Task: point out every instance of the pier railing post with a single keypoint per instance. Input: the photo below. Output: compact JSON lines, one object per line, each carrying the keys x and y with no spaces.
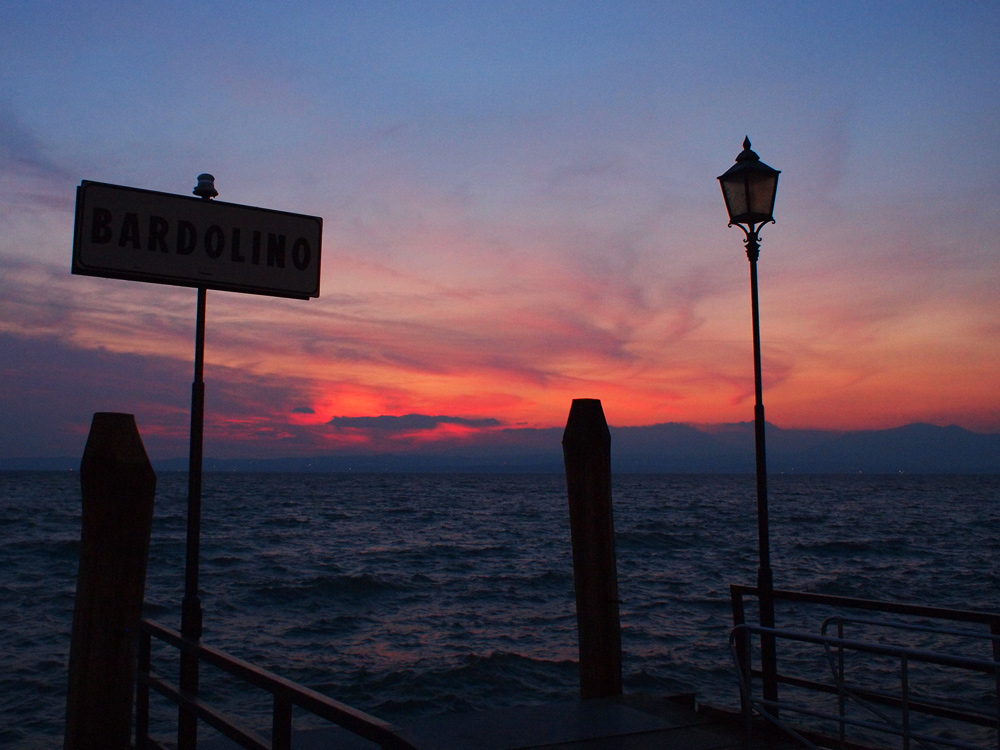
{"x":118,"y":485}
{"x":587,"y":454}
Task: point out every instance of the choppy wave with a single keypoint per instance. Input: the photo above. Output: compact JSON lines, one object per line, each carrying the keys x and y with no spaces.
{"x":362,"y":586}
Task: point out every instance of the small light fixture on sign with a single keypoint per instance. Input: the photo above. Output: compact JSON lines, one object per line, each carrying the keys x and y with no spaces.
{"x":206,"y":187}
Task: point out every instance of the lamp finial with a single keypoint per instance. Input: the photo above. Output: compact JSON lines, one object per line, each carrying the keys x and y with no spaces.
{"x":747,"y":154}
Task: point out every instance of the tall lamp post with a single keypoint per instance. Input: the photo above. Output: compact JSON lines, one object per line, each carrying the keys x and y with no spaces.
{"x":749,"y":188}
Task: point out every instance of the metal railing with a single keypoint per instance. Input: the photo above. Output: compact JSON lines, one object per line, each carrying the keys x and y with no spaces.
{"x":740,"y":638}
{"x":286,"y":695}
{"x":940,"y":707}
{"x":905,"y":703}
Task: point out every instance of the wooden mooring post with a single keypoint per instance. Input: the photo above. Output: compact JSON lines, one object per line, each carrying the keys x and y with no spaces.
{"x":118,"y":485}
{"x":587,"y":454}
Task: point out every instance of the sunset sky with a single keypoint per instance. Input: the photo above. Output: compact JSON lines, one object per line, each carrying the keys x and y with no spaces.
{"x":520,"y":208}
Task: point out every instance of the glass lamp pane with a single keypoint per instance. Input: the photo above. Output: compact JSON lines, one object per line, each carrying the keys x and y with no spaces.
{"x":762,"y":187}
{"x":735,"y":193}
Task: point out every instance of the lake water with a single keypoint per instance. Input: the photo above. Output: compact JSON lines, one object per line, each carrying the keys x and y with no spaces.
{"x":412,"y":595}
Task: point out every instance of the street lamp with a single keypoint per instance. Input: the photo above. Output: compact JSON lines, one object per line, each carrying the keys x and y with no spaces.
{"x":749,"y":188}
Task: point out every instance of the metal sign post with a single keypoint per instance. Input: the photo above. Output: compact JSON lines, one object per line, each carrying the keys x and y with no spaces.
{"x":191,"y":612}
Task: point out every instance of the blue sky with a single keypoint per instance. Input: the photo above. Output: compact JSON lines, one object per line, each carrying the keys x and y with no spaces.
{"x":520,"y":208}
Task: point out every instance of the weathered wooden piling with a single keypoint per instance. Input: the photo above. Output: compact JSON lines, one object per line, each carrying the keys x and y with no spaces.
{"x":587,"y":454}
{"x":118,"y":485}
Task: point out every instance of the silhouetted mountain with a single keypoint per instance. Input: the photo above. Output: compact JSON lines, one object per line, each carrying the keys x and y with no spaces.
{"x":913,"y":449}
{"x":655,"y":449}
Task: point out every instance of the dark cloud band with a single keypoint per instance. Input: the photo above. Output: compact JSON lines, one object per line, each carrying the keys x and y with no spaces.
{"x":408,"y":422}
